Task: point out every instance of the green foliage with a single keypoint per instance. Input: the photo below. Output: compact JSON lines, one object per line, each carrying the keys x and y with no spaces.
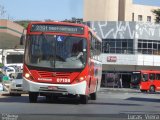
{"x":1,"y":65}
{"x":23,"y":23}
{"x":157,"y":14}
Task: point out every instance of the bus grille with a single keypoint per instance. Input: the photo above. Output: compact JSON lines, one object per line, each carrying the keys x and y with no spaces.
{"x":54,"y":74}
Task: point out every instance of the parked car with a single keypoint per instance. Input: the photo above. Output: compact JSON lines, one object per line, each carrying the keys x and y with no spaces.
{"x":16,"y":81}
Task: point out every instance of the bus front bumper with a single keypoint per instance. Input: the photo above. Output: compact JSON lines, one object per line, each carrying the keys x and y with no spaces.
{"x":79,"y":88}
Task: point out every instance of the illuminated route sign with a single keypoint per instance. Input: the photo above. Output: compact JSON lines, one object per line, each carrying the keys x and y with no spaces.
{"x":57,"y":28}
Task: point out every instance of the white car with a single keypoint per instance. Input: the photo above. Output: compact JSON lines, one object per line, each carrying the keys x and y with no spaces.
{"x":16,"y":81}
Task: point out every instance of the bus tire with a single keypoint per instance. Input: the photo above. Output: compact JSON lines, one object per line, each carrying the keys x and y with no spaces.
{"x":33,"y":97}
{"x":152,"y":89}
{"x":93,"y":96}
{"x":83,"y":99}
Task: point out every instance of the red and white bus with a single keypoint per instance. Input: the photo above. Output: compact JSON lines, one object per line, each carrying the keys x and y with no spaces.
{"x":149,"y":80}
{"x":61,"y":59}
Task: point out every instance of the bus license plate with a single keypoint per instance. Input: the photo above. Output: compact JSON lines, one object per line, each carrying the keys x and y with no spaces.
{"x":52,"y":88}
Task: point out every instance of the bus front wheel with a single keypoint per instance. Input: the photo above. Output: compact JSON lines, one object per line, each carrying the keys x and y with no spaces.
{"x":152,"y":89}
{"x":84,"y":99}
{"x":93,"y":96}
{"x":33,"y":97}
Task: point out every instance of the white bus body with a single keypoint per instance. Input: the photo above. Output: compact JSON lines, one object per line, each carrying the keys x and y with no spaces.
{"x":12,"y":57}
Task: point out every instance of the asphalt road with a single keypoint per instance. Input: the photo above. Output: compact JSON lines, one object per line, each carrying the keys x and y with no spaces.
{"x":110,"y":104}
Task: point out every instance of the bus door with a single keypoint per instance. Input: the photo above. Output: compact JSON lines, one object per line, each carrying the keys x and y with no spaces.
{"x":135,"y":79}
{"x":151,"y":79}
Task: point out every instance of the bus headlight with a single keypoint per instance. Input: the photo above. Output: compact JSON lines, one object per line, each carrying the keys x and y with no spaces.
{"x":27,"y":75}
{"x":80,"y":79}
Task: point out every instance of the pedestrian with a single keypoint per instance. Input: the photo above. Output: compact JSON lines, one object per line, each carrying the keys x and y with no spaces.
{"x":120,"y":83}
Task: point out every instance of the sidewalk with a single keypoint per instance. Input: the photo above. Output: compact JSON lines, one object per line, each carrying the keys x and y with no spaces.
{"x":119,"y":90}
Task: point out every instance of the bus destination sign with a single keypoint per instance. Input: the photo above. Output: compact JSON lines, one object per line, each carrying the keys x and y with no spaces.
{"x":57,"y":28}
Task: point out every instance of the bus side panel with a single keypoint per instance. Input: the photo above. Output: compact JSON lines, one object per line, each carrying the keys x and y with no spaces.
{"x":157,"y":85}
{"x":96,"y":73}
{"x":92,"y":79}
{"x":145,"y":85}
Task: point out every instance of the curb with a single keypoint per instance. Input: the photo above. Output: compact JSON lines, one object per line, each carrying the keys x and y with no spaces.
{"x":118,"y":90}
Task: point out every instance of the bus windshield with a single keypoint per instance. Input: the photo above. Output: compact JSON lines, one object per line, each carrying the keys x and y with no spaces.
{"x":136,"y":78}
{"x":56,"y":51}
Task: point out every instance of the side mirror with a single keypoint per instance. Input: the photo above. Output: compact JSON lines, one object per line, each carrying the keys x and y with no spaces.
{"x":22,"y":39}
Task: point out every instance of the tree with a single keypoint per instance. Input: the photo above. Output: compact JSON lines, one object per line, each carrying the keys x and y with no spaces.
{"x":23,"y":23}
{"x":157,"y":14}
{"x":1,"y":65}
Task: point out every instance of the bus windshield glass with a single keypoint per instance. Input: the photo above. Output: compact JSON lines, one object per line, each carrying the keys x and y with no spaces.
{"x":56,"y":51}
{"x":136,"y":77}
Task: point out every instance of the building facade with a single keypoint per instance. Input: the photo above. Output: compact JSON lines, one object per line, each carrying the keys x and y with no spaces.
{"x":131,"y":40}
{"x":10,"y":34}
{"x":117,"y":10}
{"x":127,"y":47}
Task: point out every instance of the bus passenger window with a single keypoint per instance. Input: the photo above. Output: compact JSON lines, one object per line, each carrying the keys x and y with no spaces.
{"x":157,"y":76}
{"x":152,"y":76}
{"x":145,"y":77}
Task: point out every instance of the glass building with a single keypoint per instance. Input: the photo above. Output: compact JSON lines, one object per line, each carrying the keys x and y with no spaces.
{"x":127,"y":47}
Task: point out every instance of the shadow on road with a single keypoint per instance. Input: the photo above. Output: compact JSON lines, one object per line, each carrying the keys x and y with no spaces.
{"x":143,"y":99}
{"x":72,"y":101}
{"x":25,"y":99}
{"x":116,"y":104}
{"x":63,"y":100}
{"x":13,"y":99}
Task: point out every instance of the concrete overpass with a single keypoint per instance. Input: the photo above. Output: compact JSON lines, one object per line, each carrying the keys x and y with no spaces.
{"x":10,"y":34}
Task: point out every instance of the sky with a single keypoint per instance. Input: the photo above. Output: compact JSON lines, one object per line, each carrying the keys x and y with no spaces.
{"x":148,"y":2}
{"x":43,"y":9}
{"x":50,"y":9}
